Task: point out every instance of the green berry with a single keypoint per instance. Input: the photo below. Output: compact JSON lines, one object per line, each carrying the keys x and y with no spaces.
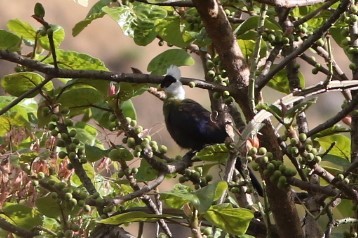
{"x":62,"y":154}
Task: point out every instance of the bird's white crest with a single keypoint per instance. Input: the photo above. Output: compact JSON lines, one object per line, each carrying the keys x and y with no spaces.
{"x":174,"y":71}
{"x":175,"y":90}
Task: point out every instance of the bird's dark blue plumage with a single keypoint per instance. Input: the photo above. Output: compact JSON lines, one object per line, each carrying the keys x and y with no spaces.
{"x":190,"y":124}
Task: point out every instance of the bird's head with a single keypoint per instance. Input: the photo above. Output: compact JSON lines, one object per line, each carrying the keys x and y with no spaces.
{"x":171,"y":84}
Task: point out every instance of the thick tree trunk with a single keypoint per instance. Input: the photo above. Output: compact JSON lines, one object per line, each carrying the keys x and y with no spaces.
{"x":220,"y":32}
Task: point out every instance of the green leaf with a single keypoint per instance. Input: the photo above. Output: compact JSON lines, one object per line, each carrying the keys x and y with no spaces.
{"x":86,"y":133}
{"x":94,"y":13}
{"x":179,"y":196}
{"x":93,"y":153}
{"x":170,"y":31}
{"x":280,"y":82}
{"x":89,"y":171}
{"x":135,"y":216}
{"x":58,"y":37}
{"x":22,"y":29}
{"x":335,"y":164}
{"x":75,"y":60}
{"x":128,"y":109}
{"x":209,"y":194}
{"x":252,"y":24}
{"x":9,"y":41}
{"x":341,"y":148}
{"x":17,"y":116}
{"x":145,"y":172}
{"x":130,"y":90}
{"x":216,"y":152}
{"x":49,"y":206}
{"x":80,"y":26}
{"x":21,"y":215}
{"x":39,"y":10}
{"x":80,"y":95}
{"x":159,"y":64}
{"x":232,"y":220}
{"x":137,"y":20}
{"x":18,"y":83}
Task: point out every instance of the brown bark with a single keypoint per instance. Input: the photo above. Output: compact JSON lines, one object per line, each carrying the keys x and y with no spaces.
{"x":220,"y":32}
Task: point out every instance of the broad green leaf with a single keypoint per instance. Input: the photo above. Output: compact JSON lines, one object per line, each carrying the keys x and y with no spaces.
{"x":129,"y":110}
{"x":80,"y":95}
{"x":179,"y":196}
{"x":137,"y":20}
{"x":94,"y":13}
{"x":341,"y":148}
{"x":334,"y":164}
{"x":159,"y":64}
{"x":145,"y":172}
{"x":17,"y":116}
{"x":89,"y":171}
{"x":170,"y":31}
{"x":22,"y":29}
{"x":217,"y":153}
{"x":252,"y":24}
{"x":84,"y":23}
{"x":75,"y":60}
{"x":58,"y":37}
{"x":124,"y":16}
{"x":86,"y":133}
{"x":18,"y":83}
{"x":336,"y":129}
{"x":232,"y":220}
{"x":93,"y":153}
{"x":135,"y":216}
{"x":130,"y":90}
{"x":9,"y":41}
{"x":120,"y":154}
{"x":280,"y":82}
{"x":21,"y":215}
{"x":49,"y":206}
{"x":210,"y":194}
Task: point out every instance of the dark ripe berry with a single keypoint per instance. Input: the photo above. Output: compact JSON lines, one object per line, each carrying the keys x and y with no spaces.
{"x":68,"y":122}
{"x":54,"y":118}
{"x":54,"y":132}
{"x":51,"y":126}
{"x":60,"y":143}
{"x":72,"y":155}
{"x":62,"y":154}
{"x":72,"y":133}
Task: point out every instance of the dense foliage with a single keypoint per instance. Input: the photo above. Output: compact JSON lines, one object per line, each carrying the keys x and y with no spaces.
{"x":60,"y":177}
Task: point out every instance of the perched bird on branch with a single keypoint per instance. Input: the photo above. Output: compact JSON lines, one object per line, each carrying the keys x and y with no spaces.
{"x":191,"y":125}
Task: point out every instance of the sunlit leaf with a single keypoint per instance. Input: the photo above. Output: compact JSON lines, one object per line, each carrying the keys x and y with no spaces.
{"x":217,"y":153}
{"x":145,"y":172}
{"x":232,"y":220}
{"x":9,"y":41}
{"x":159,"y":64}
{"x":135,"y":216}
{"x":18,"y":83}
{"x":21,"y":215}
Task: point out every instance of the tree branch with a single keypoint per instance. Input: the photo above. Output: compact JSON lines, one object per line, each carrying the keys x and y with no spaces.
{"x":7,"y":226}
{"x":263,"y":80}
{"x":98,"y":74}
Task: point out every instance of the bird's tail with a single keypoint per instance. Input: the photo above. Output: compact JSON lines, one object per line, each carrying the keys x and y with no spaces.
{"x":255,"y":182}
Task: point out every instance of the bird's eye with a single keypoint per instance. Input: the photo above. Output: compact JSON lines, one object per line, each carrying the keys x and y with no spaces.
{"x":167,"y":81}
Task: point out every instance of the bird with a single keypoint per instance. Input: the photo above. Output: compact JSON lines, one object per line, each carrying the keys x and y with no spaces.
{"x":190,"y":124}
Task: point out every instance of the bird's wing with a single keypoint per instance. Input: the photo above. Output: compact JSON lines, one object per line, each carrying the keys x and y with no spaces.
{"x":193,"y":121}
